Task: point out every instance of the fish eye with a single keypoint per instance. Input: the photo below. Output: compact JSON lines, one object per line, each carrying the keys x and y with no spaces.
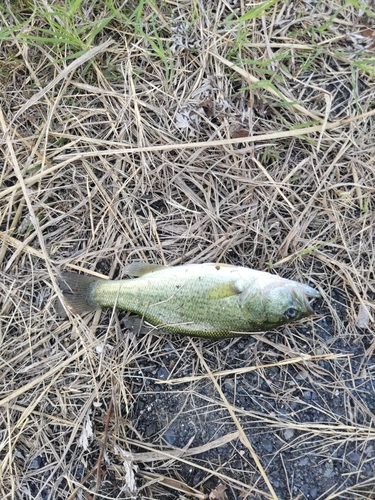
{"x":290,"y":313}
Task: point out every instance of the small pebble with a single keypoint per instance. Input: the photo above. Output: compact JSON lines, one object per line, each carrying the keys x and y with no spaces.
{"x":314,"y":493}
{"x":229,"y":385}
{"x":37,"y":463}
{"x":170,"y":436}
{"x":329,"y":469}
{"x":267,"y":445}
{"x":369,"y":451}
{"x":288,"y":434}
{"x":163,"y":373}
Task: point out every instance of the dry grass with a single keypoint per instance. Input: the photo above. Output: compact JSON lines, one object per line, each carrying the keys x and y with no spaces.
{"x":187,"y":133}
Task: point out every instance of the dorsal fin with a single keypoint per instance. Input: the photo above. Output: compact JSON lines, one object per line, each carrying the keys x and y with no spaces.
{"x":142,"y":268}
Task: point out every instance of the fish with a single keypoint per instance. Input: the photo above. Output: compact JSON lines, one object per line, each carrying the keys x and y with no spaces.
{"x":206,"y":300}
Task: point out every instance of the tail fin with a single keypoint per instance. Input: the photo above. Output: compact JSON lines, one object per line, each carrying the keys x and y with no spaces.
{"x":77,"y":291}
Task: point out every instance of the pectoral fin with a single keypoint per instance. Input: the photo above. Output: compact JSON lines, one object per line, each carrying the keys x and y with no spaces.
{"x":228,"y":289}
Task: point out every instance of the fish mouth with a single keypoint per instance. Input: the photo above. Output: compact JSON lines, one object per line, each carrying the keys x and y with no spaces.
{"x":311,"y":292}
{"x":301,"y":295}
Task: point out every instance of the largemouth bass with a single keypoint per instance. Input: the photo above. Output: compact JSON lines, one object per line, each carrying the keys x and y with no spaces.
{"x":207,"y":300}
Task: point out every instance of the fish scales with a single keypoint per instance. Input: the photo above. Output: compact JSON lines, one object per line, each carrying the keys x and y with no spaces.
{"x":184,"y":300}
{"x":210,"y":300}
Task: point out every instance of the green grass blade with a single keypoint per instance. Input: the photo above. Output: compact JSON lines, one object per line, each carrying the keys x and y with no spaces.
{"x":257,"y":11}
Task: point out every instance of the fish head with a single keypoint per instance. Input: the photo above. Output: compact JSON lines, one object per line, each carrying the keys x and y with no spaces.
{"x":279,"y":301}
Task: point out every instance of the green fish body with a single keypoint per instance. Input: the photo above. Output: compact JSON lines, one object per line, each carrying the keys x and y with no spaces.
{"x":207,"y":300}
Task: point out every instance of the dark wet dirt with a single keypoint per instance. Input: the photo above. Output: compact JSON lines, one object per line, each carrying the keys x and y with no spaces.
{"x":305,"y":421}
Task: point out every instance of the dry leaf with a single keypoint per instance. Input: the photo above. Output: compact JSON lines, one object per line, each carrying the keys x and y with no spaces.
{"x":363,"y":317}
{"x":87,"y":433}
{"x":240,"y":133}
{"x":218,"y":493}
{"x":130,"y":468}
